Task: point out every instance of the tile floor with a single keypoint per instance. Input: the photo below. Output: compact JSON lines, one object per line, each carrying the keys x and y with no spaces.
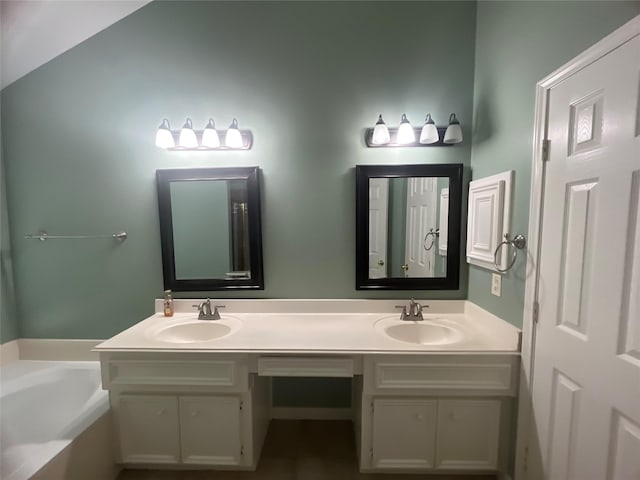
{"x":298,"y":450}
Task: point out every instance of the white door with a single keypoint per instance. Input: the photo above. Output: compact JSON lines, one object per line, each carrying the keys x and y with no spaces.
{"x":443,"y":223}
{"x":210,"y":430}
{"x":586,"y":371}
{"x":378,"y":217}
{"x":421,"y":217}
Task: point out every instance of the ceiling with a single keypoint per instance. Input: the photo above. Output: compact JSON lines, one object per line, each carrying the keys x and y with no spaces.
{"x":36,"y":31}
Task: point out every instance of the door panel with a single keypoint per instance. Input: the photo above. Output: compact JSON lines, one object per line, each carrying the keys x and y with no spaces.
{"x":629,"y":344}
{"x":421,"y":216}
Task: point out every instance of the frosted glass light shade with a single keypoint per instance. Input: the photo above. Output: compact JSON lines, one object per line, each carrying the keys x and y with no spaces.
{"x":210,"y":138}
{"x":380,"y":133}
{"x":187,"y":137}
{"x":164,"y":137}
{"x":454,"y":131}
{"x":429,"y":132}
{"x":406,"y":135}
{"x":233,"y":138}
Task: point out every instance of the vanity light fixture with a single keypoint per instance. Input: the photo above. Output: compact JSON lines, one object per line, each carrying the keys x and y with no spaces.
{"x":187,"y":137}
{"x":203,"y":140}
{"x":429,"y":132}
{"x":233,"y":139}
{"x":380,"y":133}
{"x":454,"y":132}
{"x":406,"y":135}
{"x":210,"y":137}
{"x":429,"y":135}
{"x":164,"y":137}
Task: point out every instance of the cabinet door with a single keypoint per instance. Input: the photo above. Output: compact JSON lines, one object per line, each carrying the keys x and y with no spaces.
{"x":148,"y":428}
{"x":404,"y":432}
{"x":210,"y":430}
{"x":468,"y":432}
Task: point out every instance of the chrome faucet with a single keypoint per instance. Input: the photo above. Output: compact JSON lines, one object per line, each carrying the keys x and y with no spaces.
{"x":414,"y":313}
{"x":204,"y":310}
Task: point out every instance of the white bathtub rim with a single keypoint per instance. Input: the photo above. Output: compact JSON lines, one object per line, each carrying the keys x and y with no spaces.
{"x":55,"y":349}
{"x":95,"y":406}
{"x":9,"y":352}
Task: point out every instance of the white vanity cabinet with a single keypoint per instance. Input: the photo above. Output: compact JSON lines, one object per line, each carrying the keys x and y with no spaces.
{"x":186,"y":409}
{"x":440,"y":413}
{"x":211,"y":430}
{"x":148,"y":428}
{"x":403,"y":433}
{"x":468,"y":434}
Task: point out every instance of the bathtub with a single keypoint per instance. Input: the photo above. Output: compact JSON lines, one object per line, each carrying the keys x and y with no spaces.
{"x":45,"y":407}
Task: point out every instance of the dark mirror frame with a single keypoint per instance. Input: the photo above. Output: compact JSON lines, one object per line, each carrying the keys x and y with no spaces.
{"x":251,"y":175}
{"x":363,"y":173}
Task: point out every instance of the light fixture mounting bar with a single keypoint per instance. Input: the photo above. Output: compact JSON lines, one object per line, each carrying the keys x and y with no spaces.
{"x":393,"y":133}
{"x":247,"y":142}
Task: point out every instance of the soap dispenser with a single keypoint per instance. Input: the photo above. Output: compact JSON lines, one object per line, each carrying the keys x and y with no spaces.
{"x":168,"y":304}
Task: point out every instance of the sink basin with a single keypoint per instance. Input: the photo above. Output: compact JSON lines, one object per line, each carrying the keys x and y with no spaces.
{"x":423,"y":332}
{"x":195,"y":331}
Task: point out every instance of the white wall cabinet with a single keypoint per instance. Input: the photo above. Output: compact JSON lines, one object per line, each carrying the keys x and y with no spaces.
{"x":488,"y":219}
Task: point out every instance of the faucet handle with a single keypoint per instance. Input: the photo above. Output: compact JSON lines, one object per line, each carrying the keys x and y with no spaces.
{"x":216,"y":313}
{"x":403,"y":314}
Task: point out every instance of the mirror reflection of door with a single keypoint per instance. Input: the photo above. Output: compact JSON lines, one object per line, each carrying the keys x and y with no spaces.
{"x":421,"y":217}
{"x":378,"y":215}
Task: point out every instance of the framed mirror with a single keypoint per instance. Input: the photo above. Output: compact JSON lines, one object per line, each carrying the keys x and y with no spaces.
{"x":408,"y":226}
{"x":210,"y":228}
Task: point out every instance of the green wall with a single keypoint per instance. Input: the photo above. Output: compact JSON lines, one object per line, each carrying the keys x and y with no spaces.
{"x":518,"y":44}
{"x":8,"y":318}
{"x":306,"y":77}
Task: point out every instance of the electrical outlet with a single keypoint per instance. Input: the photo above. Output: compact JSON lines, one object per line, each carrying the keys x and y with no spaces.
{"x":496,"y":284}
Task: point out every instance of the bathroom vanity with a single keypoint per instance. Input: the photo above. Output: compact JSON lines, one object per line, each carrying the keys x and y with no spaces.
{"x":428,"y":396}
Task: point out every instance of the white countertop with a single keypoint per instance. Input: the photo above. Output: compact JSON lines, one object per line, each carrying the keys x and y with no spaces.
{"x":320,"y":327}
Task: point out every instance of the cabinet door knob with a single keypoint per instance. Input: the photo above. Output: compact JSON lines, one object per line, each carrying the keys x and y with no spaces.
{"x":405,"y":267}
{"x":160,"y":412}
{"x":381,"y":262}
